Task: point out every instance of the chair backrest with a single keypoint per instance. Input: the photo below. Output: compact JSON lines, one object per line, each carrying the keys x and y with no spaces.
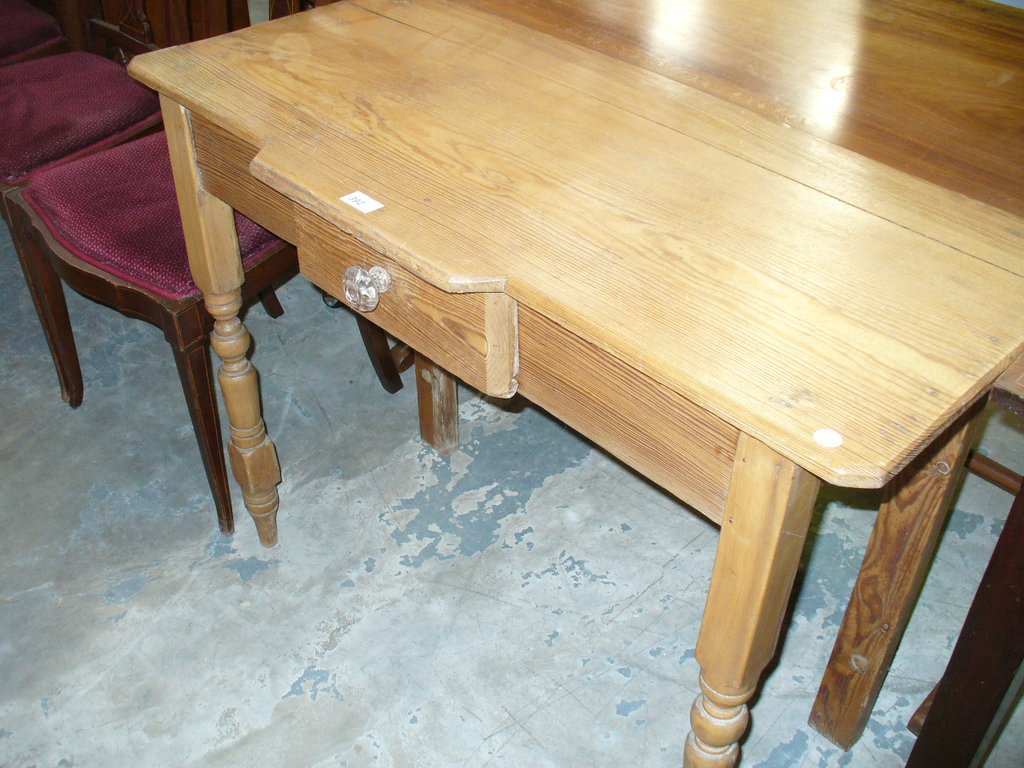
{"x":123,"y":28}
{"x":72,"y":16}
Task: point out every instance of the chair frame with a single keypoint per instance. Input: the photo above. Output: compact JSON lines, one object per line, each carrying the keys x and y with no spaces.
{"x":983,"y":679}
{"x":185,"y":323}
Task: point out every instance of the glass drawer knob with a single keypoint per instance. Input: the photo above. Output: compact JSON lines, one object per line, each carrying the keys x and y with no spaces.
{"x":363,"y":287}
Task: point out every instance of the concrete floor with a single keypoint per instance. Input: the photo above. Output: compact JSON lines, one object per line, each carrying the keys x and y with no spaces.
{"x":526,"y":602}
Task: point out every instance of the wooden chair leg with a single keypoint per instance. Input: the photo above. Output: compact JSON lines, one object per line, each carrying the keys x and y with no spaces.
{"x":47,"y":293}
{"x":381,"y":357}
{"x":196,"y":374}
{"x":984,"y":673}
{"x":271,"y":303}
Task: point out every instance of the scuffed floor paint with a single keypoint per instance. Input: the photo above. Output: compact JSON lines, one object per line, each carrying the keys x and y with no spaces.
{"x":525,"y":602}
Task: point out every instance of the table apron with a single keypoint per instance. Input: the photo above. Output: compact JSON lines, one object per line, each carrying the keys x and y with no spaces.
{"x":656,"y":431}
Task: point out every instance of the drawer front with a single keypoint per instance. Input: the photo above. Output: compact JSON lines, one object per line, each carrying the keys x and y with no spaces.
{"x":471,"y":335}
{"x":474,"y":336}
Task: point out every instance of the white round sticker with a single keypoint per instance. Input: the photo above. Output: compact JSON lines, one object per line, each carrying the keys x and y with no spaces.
{"x":828,"y":438}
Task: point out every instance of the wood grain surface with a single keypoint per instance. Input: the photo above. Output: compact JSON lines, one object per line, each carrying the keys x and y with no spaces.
{"x":932,"y":87}
{"x":779,"y":281}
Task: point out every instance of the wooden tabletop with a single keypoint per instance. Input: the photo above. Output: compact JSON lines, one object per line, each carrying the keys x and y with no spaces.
{"x":836,"y":308}
{"x":932,"y":87}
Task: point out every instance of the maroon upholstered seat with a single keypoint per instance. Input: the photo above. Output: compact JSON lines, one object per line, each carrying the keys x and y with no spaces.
{"x":25,"y":31}
{"x":117,"y":211}
{"x":61,"y":107}
{"x":109,"y":226}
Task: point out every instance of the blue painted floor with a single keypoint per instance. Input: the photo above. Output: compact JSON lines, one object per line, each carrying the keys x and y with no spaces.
{"x":526,"y":602}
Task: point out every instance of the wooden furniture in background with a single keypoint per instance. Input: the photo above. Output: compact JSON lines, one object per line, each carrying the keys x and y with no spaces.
{"x":958,"y":722}
{"x":73,"y":17}
{"x":173,"y":22}
{"x":734,"y":308}
{"x":56,"y":26}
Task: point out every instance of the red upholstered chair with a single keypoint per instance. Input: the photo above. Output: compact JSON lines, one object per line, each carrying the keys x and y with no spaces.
{"x":27,"y":33}
{"x":108,"y":225}
{"x":62,"y":107}
{"x":56,"y":109}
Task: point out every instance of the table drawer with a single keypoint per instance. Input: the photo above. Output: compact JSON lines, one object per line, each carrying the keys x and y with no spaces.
{"x":474,"y":336}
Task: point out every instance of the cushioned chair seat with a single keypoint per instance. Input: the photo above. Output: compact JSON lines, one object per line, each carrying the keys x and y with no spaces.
{"x":61,"y":107}
{"x":117,"y":211}
{"x":24,"y":29}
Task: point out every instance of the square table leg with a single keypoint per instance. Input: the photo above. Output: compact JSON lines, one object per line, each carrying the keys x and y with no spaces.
{"x":216,"y":265}
{"x":763,"y":532}
{"x":437,"y":393}
{"x":914,"y":509}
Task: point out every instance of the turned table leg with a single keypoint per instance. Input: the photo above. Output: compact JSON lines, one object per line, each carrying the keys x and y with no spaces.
{"x":763,"y":530}
{"x":914,"y":509}
{"x":216,"y":266}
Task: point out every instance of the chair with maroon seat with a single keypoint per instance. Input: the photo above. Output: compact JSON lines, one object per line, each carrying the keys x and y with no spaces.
{"x":108,"y":225}
{"x":62,"y":107}
{"x":28,"y":33}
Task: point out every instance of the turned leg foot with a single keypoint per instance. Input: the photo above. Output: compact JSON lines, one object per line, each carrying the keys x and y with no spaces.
{"x":717,"y":723}
{"x":253,"y":456}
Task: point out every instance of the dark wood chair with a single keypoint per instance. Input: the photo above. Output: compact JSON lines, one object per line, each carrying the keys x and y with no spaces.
{"x":106,"y":222}
{"x":27,"y":32}
{"x":66,"y":106}
{"x":983,"y":677}
{"x":108,"y":225}
{"x":957,"y":723}
{"x":161,"y":23}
